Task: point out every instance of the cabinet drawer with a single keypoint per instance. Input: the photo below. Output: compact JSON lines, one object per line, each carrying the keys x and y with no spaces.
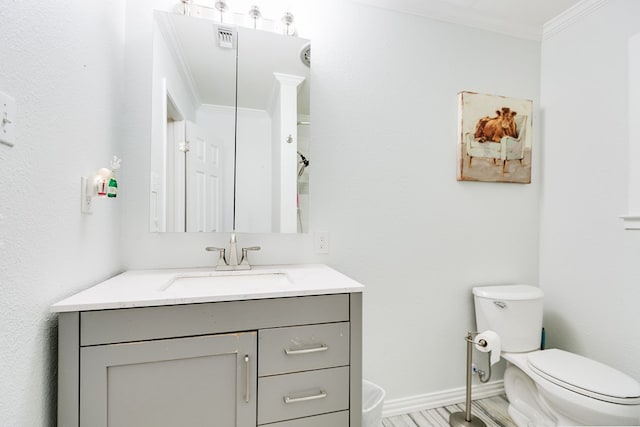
{"x":302,"y":348}
{"x":289,"y":396}
{"x":335,"y":419}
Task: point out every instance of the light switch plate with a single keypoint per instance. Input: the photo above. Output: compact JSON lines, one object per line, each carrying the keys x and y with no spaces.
{"x":7,"y":120}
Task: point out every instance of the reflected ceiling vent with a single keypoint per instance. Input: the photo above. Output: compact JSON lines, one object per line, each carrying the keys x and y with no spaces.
{"x":305,"y":54}
{"x":225,"y":37}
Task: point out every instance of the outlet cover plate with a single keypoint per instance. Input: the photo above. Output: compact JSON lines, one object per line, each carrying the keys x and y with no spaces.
{"x":322,"y":242}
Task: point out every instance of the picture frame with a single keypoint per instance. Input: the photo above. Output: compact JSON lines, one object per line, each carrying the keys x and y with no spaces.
{"x":494,"y":138}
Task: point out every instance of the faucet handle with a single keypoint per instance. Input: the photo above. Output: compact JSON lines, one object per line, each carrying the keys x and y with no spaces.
{"x":222,"y":260}
{"x":245,"y":258}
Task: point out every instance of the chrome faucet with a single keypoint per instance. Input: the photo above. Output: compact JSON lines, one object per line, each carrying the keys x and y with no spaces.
{"x":231,"y":263}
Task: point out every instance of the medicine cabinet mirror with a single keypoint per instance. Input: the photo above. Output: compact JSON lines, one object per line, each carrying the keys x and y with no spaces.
{"x":230,"y":128}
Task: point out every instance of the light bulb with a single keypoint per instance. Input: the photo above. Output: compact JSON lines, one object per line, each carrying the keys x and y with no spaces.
{"x":255,"y":14}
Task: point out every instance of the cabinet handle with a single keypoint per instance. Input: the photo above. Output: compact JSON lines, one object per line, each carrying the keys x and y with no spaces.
{"x":246,"y":378}
{"x":321,"y":395}
{"x":291,"y":351}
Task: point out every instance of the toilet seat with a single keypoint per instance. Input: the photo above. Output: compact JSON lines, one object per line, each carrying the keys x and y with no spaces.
{"x":585,"y":376}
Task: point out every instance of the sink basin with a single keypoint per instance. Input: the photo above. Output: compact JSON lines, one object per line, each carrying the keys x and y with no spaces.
{"x":232,"y":282}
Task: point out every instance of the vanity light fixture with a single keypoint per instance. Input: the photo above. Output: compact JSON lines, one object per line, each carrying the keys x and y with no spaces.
{"x":223,"y":13}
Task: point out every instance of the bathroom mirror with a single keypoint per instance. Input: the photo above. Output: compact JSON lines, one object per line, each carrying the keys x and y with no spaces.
{"x":230,"y":128}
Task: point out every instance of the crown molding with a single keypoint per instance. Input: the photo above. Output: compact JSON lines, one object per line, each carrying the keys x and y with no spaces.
{"x":456,"y":14}
{"x":569,"y":17}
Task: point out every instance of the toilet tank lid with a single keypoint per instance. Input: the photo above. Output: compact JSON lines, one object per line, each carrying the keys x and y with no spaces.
{"x":509,"y":292}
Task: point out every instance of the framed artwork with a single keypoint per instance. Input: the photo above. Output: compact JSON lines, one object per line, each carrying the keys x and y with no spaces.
{"x":494,"y":142}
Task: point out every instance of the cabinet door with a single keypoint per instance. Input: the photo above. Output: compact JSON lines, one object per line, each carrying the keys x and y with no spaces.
{"x":188,"y":382}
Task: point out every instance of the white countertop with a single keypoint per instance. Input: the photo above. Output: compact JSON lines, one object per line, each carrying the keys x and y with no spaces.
{"x":146,"y":288}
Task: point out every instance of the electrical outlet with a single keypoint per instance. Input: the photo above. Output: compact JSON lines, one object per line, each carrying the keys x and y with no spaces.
{"x":322,"y":242}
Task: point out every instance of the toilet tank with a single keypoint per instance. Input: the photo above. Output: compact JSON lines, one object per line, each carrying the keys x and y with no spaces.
{"x":514,"y":312}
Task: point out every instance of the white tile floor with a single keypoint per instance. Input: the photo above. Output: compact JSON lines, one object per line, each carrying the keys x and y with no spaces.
{"x":492,"y":410}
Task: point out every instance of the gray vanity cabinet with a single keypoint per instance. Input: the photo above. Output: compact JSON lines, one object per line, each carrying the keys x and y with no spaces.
{"x":282,"y":362}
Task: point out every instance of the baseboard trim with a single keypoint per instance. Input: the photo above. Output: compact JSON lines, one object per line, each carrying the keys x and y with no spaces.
{"x":406,"y":405}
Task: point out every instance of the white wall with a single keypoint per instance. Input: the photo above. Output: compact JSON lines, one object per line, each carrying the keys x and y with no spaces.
{"x":589,"y":266}
{"x":383,"y":105}
{"x":384,"y":89}
{"x":63,"y":63}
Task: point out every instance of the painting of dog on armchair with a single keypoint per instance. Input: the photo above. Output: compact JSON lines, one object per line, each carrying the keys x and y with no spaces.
{"x":494,"y":138}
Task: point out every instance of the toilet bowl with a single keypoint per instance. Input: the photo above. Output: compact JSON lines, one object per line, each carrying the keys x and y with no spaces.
{"x":551,"y":387}
{"x":555,"y":387}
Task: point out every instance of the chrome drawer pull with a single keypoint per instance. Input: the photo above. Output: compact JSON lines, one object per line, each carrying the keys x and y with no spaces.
{"x":290,"y":351}
{"x":320,"y":395}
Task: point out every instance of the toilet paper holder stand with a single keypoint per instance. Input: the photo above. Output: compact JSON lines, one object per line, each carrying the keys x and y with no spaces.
{"x":463,"y":419}
{"x":483,"y":376}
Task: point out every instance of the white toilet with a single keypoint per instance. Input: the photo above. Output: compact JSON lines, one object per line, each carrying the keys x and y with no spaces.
{"x":551,"y":387}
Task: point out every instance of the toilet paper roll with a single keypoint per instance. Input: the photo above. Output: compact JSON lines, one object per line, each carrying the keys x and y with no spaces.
{"x":489,"y":341}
